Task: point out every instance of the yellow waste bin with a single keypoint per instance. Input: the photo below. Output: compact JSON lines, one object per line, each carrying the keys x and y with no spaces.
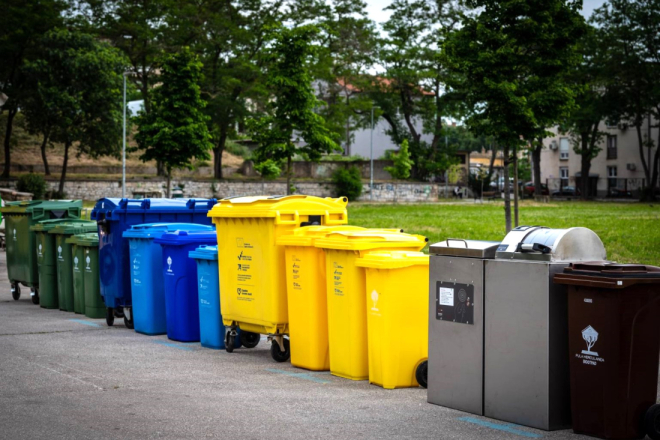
{"x":307,"y":295}
{"x":347,"y":305}
{"x":252,"y":264}
{"x":397,"y":290}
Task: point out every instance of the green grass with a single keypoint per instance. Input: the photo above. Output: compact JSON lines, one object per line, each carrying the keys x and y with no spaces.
{"x":630,"y":231}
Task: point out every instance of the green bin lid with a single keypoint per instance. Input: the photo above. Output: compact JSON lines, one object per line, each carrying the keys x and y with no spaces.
{"x":38,"y":208}
{"x":47,"y":225}
{"x":87,"y":240}
{"x":75,"y":227}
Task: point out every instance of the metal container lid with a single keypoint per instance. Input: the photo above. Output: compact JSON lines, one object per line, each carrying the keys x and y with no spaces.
{"x":544,"y":244}
{"x":465,"y":248}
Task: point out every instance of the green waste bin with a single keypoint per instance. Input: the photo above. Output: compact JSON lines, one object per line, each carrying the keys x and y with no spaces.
{"x":86,"y":287}
{"x":20,"y":241}
{"x":64,"y":262}
{"x":46,"y":261}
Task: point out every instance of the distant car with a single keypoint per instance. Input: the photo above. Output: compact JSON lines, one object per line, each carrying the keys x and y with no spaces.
{"x":529,"y":189}
{"x":567,"y":191}
{"x":616,"y":192}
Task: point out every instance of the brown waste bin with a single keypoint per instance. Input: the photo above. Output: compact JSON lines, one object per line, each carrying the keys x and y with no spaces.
{"x":614,"y":347}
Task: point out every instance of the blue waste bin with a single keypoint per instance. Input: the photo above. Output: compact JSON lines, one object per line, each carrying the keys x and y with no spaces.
{"x":114,"y":216}
{"x":146,"y":261}
{"x":211,"y":328}
{"x":180,"y":280}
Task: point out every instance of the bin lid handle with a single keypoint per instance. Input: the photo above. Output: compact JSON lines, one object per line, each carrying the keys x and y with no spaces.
{"x":456,"y":239}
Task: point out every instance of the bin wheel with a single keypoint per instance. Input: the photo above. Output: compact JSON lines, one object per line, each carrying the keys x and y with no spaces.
{"x":128,"y":318}
{"x":35,"y":295}
{"x":249,"y":339}
{"x":109,"y":316}
{"x":279,"y":355}
{"x":230,"y":340}
{"x":119,"y":312}
{"x":15,"y":291}
{"x":652,"y":422}
{"x":422,"y":374}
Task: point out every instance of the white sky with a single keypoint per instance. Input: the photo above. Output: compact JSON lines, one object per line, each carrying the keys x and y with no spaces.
{"x":376,"y":12}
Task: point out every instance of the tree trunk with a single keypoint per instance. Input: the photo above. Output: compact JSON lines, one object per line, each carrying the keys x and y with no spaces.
{"x":160,"y":168}
{"x":507,"y":186}
{"x":645,"y":165}
{"x":491,"y":165}
{"x":169,"y":183}
{"x":10,"y":126}
{"x":584,"y":171}
{"x":217,"y":152}
{"x":65,"y":162}
{"x":288,"y":175}
{"x":536,"y":163}
{"x":515,"y":185}
{"x":44,"y":158}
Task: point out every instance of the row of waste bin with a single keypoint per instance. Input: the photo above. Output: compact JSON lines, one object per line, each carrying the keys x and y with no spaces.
{"x":495,"y":319}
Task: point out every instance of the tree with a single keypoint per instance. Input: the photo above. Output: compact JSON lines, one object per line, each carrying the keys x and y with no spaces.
{"x":591,"y":81}
{"x":291,"y":112}
{"x":632,"y":40}
{"x":24,"y":23}
{"x":175,"y":131}
{"x":402,"y":163}
{"x":79,"y":84}
{"x":510,"y":60}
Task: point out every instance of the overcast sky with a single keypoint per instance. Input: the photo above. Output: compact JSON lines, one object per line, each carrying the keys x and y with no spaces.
{"x":376,"y":12}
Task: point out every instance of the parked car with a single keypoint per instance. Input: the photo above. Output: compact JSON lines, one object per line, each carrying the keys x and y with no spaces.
{"x":529,"y":189}
{"x":621,"y":193}
{"x":567,"y":191}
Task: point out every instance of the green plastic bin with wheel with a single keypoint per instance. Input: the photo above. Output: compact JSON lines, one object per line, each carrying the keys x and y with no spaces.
{"x":46,"y":261}
{"x":20,"y":241}
{"x":64,"y":262}
{"x":86,"y":287}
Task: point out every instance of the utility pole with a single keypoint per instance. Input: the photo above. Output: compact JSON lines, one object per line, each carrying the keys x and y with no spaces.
{"x":123,"y":160}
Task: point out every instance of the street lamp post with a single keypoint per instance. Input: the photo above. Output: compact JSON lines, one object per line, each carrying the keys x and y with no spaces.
{"x":371,"y":150}
{"x":123,"y":160}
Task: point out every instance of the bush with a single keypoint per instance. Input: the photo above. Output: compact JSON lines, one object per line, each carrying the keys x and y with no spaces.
{"x":348,"y":182}
{"x":402,"y":163}
{"x":237,"y":149}
{"x":32,"y":183}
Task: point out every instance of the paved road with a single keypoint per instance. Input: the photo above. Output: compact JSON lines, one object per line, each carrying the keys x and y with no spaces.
{"x":63,"y":376}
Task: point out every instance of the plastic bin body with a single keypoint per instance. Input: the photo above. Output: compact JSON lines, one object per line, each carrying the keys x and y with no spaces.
{"x":397,"y":285}
{"x":307,"y":295}
{"x":20,"y":241}
{"x":346,"y":287}
{"x":46,"y":261}
{"x":78,"y":265}
{"x":252,"y":265}
{"x":94,"y":306}
{"x":114,"y":216}
{"x":64,"y":263}
{"x":211,"y":328}
{"x":614,"y":347}
{"x":146,"y":268}
{"x":180,"y":282}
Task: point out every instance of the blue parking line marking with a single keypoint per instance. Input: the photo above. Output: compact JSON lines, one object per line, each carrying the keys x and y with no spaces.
{"x":500,"y":427}
{"x":304,"y":376}
{"x":82,"y":321}
{"x":170,"y":344}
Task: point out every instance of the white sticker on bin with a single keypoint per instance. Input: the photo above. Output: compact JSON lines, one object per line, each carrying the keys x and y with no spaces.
{"x":446,"y":296}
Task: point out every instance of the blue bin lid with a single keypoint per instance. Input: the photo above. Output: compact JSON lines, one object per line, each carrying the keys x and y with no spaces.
{"x":205,"y":252}
{"x":105,"y":207}
{"x":154,"y":230}
{"x":181,"y":238}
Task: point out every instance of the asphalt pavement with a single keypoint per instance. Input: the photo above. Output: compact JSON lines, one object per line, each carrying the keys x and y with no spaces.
{"x":64,"y":376}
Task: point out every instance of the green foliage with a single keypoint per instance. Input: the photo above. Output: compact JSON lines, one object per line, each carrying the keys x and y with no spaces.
{"x":268,"y":169}
{"x":292,"y":109}
{"x":237,"y":149}
{"x":479,"y":181}
{"x":78,"y":91}
{"x":348,"y":182}
{"x":175,"y":130}
{"x":402,"y":163}
{"x":32,"y":183}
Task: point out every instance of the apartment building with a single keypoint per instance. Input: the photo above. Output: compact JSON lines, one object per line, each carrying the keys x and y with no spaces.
{"x":617,"y":171}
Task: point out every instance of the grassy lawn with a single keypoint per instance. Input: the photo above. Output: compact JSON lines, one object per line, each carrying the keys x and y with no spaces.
{"x":630,"y":231}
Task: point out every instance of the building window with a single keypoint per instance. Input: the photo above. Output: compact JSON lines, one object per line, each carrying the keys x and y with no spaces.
{"x":611,"y":147}
{"x":611,"y":177}
{"x":563,"y":149}
{"x":563,"y":175}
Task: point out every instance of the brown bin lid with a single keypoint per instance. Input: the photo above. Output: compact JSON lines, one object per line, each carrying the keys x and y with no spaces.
{"x":608,"y":275}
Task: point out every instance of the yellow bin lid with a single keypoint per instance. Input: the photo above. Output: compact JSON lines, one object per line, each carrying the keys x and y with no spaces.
{"x":284,"y":209}
{"x":392,"y":259}
{"x":307,"y":235}
{"x":370,"y":239}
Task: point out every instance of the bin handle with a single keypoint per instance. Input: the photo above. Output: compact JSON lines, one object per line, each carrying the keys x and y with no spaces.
{"x":193,"y":202}
{"x":123,"y":203}
{"x":455,"y":239}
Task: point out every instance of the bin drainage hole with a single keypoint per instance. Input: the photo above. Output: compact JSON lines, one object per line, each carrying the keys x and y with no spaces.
{"x":510,"y":428}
